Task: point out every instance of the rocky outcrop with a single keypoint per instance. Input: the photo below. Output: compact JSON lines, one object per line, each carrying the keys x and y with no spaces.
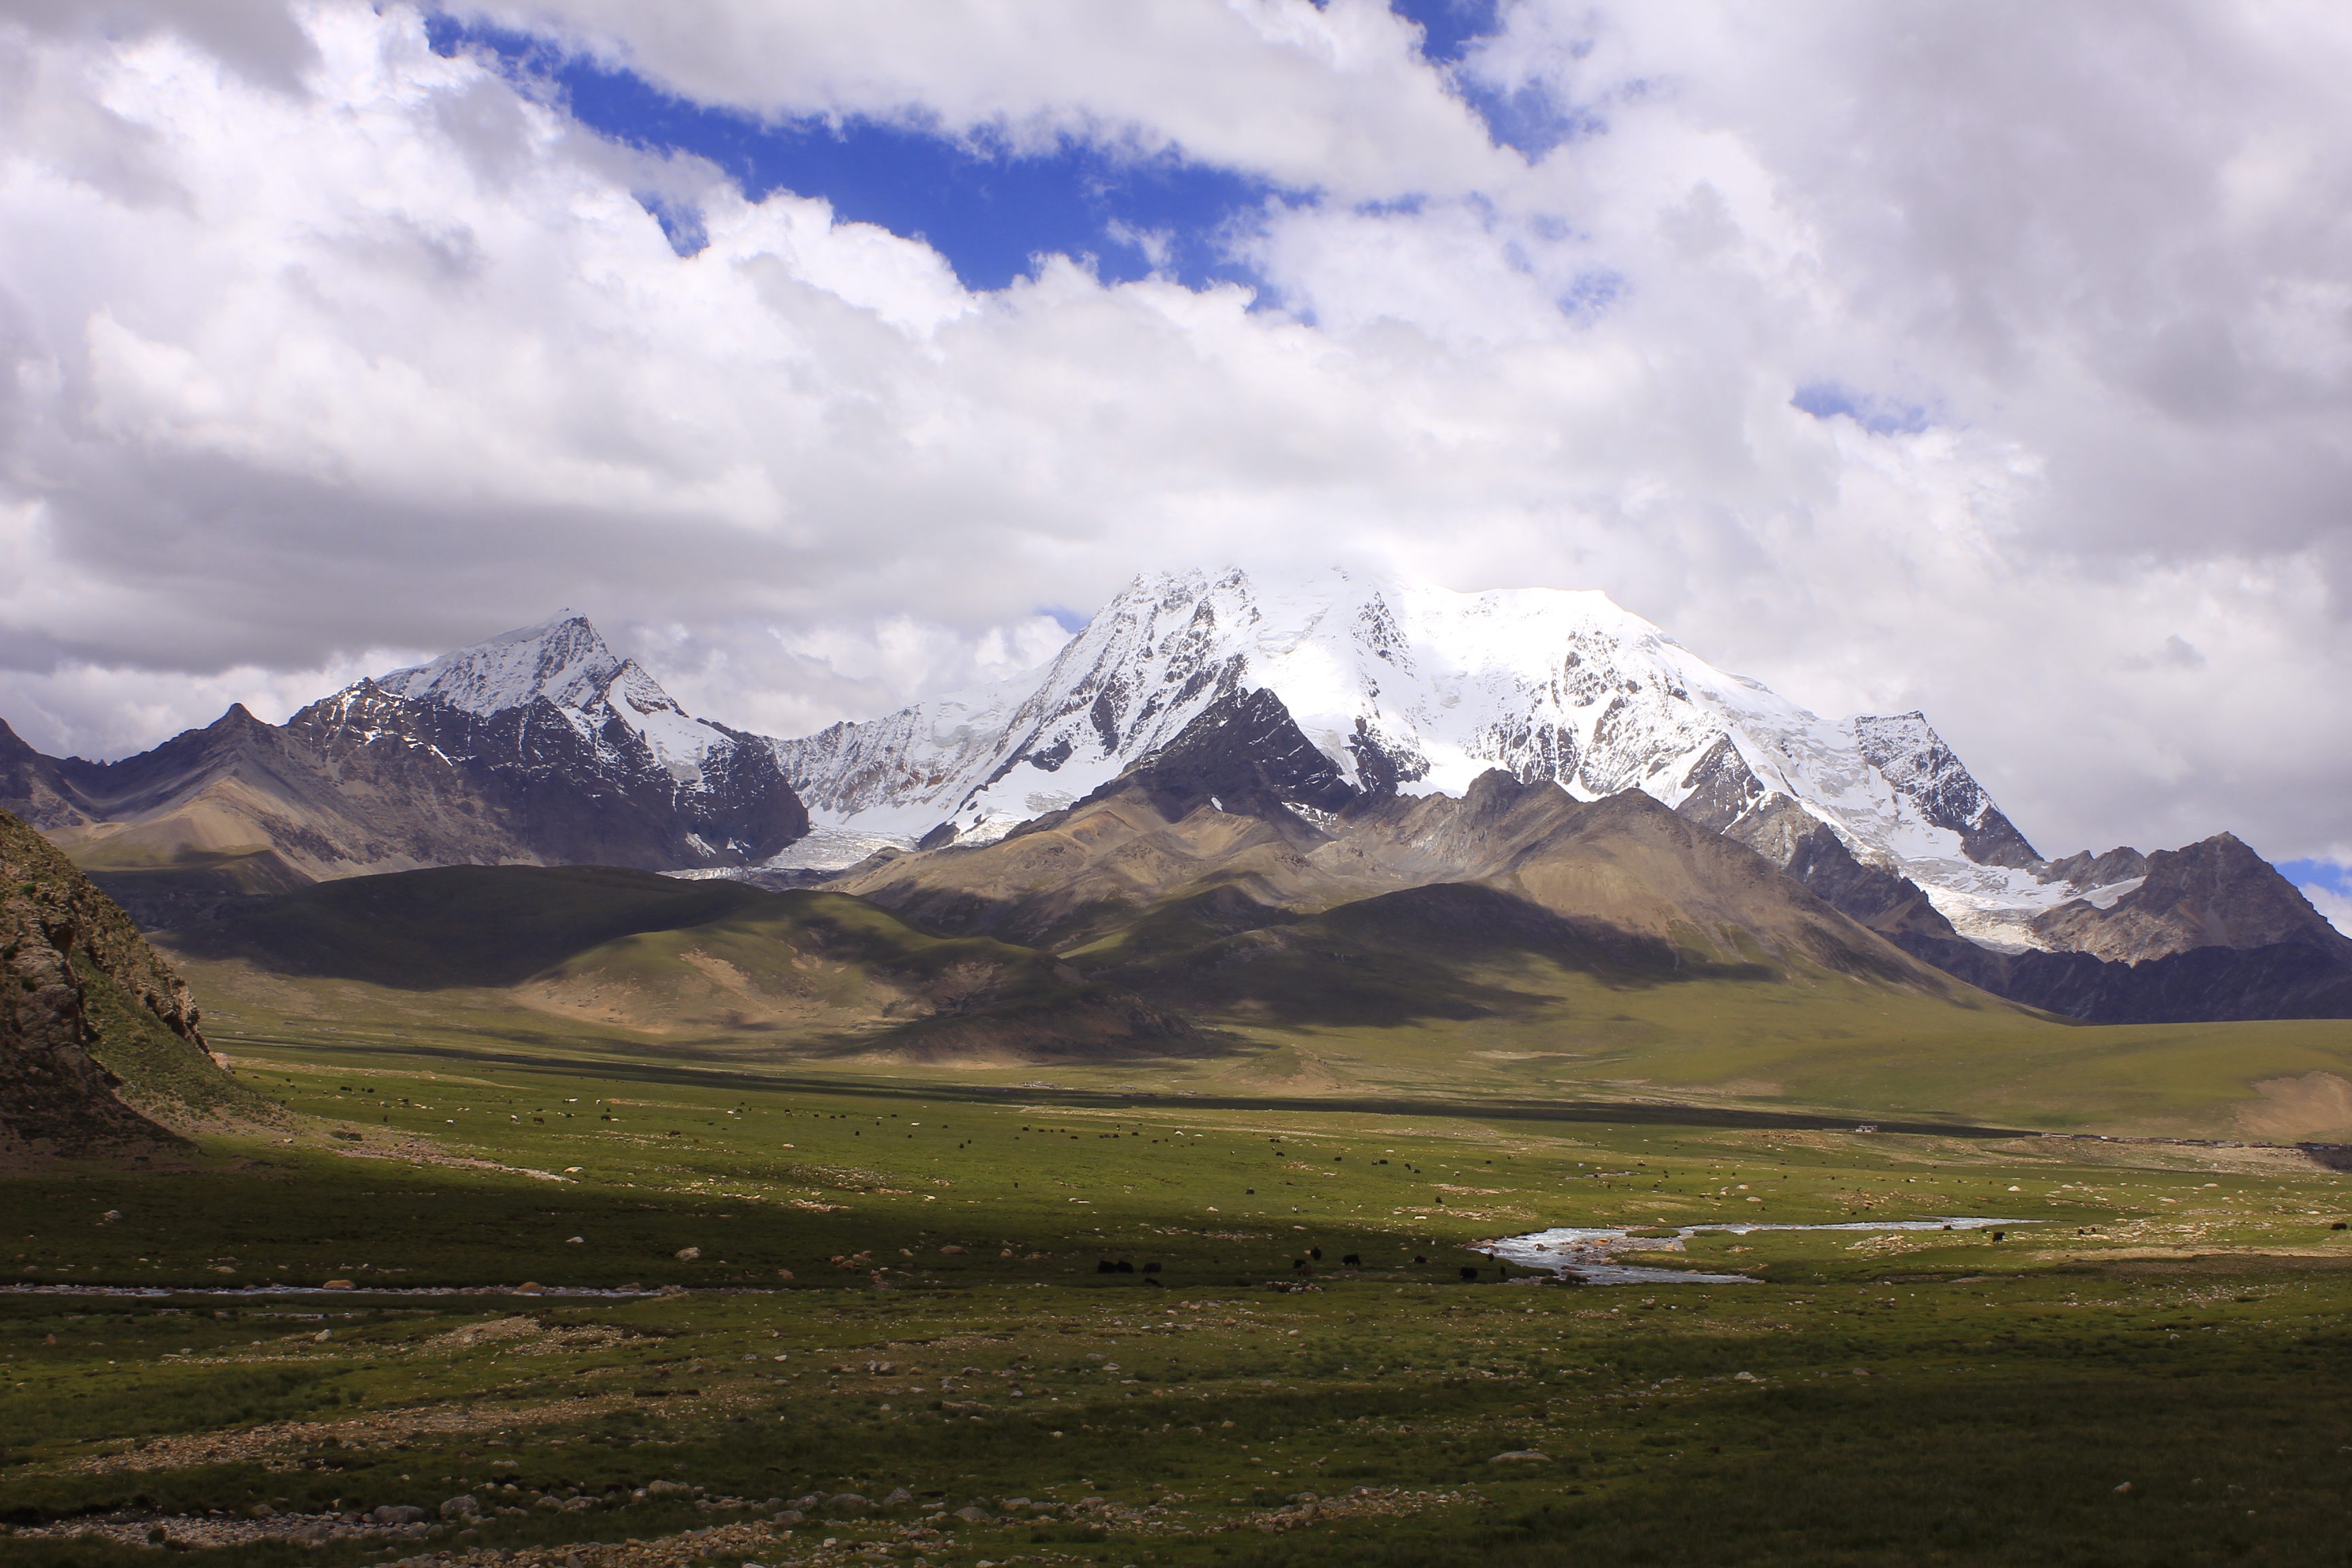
{"x":2214,"y":893}
{"x":1245,"y":755}
{"x":2083,"y":870}
{"x":61,"y":940}
{"x":31,"y":789}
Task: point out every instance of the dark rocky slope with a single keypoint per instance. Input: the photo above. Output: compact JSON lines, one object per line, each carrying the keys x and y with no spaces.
{"x":2213,"y":933}
{"x":80,"y":987}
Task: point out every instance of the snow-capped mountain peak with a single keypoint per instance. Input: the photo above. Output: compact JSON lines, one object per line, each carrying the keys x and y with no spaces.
{"x":1405,"y":686}
{"x":564,"y":661}
{"x":561,"y":658}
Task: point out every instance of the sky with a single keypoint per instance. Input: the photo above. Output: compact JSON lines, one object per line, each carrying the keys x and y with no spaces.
{"x":1988,"y":359}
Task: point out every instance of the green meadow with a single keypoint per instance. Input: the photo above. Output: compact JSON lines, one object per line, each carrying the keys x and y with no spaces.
{"x":865,"y":1283}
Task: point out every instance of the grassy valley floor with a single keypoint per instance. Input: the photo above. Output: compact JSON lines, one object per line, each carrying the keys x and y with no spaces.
{"x":830,"y":1286}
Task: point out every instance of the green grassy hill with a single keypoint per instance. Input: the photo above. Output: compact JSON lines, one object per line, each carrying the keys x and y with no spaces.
{"x":1454,"y":991}
{"x":606,"y":951}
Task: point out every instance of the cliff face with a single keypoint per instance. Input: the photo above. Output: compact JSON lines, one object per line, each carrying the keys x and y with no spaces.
{"x":2214,"y":893}
{"x":62,"y":940}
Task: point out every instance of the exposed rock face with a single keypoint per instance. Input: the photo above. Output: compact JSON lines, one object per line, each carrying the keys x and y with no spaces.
{"x":31,"y":789}
{"x":1801,"y":844}
{"x":2084,"y":870}
{"x":2203,"y":985}
{"x":1914,"y":759}
{"x":1244,"y":755}
{"x":538,"y":746}
{"x":2214,"y":893}
{"x":2215,"y":932}
{"x":58,"y":937}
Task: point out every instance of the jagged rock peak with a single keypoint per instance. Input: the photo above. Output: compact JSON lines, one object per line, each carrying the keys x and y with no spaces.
{"x":1910,"y":755}
{"x":2217,"y":892}
{"x":562,"y":660}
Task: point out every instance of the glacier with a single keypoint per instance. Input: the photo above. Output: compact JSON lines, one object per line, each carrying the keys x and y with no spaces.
{"x":1410,"y":686}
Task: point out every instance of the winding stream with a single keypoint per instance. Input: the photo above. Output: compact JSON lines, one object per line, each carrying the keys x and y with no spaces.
{"x":1588,"y":1253}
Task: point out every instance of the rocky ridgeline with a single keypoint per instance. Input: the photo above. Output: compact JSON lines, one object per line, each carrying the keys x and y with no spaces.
{"x":61,"y":941}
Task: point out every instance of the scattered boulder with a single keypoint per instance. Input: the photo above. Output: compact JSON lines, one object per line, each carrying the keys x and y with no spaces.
{"x":322,"y":1336}
{"x":466,"y":1507}
{"x":791,"y":1517}
{"x":1743,"y":1377}
{"x":1520,"y":1457}
{"x":900,"y":1497}
{"x":340,"y":1285}
{"x":688,"y":1254}
{"x":668,"y":1488}
{"x":953,"y":1251}
{"x":400,"y":1513}
{"x":848,"y":1504}
{"x":972,"y":1515}
{"x":2124,"y":1490}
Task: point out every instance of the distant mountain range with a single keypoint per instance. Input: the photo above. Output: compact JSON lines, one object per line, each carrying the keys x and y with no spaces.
{"x":536,"y":747}
{"x":1333,"y":715}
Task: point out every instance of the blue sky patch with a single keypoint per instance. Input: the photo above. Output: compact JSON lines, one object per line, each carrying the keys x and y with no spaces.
{"x":1449,"y":27}
{"x":989,"y":211}
{"x":1879,"y":416}
{"x":2325,"y":874}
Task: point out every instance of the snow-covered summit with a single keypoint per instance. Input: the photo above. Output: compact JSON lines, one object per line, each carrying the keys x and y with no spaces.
{"x":561,"y":658}
{"x":1417,"y":688}
{"x":564,"y":661}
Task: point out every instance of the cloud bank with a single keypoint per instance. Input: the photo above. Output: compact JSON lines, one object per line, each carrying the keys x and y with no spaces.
{"x":1992,"y":361}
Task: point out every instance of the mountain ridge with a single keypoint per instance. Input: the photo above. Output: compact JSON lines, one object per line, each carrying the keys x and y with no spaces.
{"x":1293,"y":705}
{"x":536,"y":746}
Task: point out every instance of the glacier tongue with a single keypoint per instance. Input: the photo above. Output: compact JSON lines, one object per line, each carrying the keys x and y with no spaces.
{"x":1417,"y":689}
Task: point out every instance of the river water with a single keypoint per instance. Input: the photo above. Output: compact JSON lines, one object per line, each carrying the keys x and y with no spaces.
{"x":1588,"y":1254}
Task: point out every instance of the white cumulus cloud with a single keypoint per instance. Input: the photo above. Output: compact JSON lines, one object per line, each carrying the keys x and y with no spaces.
{"x":325,"y":351}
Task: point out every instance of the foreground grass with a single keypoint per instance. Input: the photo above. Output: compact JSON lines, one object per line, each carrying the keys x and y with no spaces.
{"x":2171,"y":1322}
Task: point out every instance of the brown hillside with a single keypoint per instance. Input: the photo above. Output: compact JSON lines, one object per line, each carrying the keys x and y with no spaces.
{"x":77,"y":974}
